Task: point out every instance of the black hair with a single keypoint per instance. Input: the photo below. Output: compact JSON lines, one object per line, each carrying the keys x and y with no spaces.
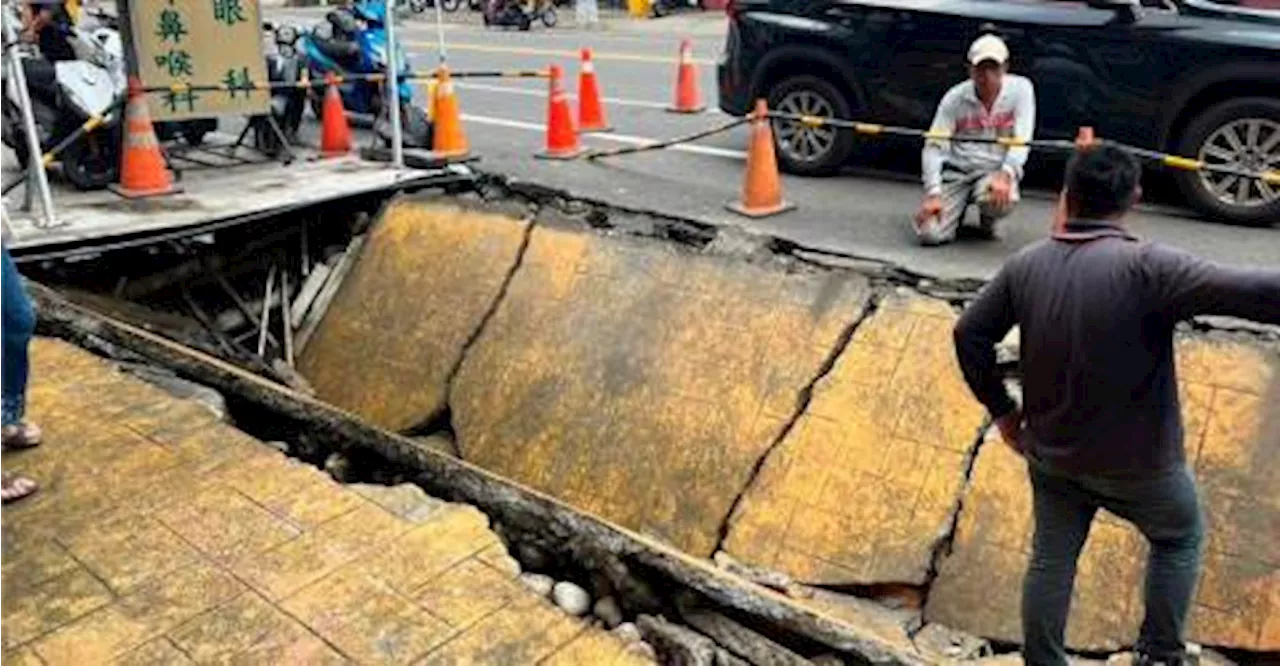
{"x":1101,"y":181}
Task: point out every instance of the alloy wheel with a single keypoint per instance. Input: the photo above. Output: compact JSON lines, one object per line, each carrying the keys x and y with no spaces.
{"x":1247,"y":144}
{"x":801,"y":142}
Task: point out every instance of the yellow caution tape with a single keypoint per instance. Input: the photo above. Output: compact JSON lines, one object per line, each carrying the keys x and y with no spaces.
{"x":813,"y":121}
{"x":1012,"y":141}
{"x":178,"y":87}
{"x":47,"y":160}
{"x":1271,"y":177}
{"x":940,"y":135}
{"x":1184,"y":163}
{"x":868,"y":128}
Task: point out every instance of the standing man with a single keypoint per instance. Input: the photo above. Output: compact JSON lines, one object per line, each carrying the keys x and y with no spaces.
{"x":992,"y":104}
{"x":1101,"y":426}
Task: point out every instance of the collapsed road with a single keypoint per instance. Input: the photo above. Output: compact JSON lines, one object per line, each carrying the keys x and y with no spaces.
{"x":768,"y":446}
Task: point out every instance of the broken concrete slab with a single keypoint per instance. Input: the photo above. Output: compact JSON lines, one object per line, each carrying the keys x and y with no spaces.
{"x":866,"y":484}
{"x":422,"y":285}
{"x":1231,"y":408}
{"x":642,"y":381}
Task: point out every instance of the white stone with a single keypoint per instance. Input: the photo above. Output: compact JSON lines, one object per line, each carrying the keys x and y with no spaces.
{"x":571,"y":598}
{"x":642,"y":649}
{"x":539,"y":583}
{"x":627,"y":632}
{"x":608,"y":611}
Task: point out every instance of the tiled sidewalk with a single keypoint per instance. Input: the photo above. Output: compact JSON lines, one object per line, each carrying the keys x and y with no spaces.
{"x":162,"y":536}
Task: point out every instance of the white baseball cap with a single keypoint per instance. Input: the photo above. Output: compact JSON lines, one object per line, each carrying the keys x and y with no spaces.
{"x":988,"y":47}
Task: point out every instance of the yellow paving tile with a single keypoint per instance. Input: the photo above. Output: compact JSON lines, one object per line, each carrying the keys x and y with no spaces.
{"x":249,"y":630}
{"x":468,"y":592}
{"x":158,"y":652}
{"x":198,"y":530}
{"x":294,"y":490}
{"x":128,"y":551}
{"x":865,"y":483}
{"x":366,"y":619}
{"x":158,"y":606}
{"x":283,"y":570}
{"x":226,"y":525}
{"x":23,"y":657}
{"x":428,"y":549}
{"x":32,"y":611}
{"x":520,"y":633}
{"x":598,"y":649}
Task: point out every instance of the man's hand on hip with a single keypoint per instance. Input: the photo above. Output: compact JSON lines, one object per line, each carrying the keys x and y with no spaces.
{"x":1010,"y":426}
{"x":930,"y":208}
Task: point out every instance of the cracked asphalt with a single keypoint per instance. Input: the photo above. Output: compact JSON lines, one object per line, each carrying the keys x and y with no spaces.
{"x":864,"y":212}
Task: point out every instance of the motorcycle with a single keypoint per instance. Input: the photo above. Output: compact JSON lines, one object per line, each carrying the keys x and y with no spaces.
{"x":662,"y":8}
{"x":513,"y":12}
{"x":64,"y":95}
{"x":288,"y":102}
{"x":361,"y":49}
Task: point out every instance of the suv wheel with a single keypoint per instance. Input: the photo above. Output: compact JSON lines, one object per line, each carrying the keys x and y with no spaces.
{"x":810,"y":151}
{"x":1244,"y":134}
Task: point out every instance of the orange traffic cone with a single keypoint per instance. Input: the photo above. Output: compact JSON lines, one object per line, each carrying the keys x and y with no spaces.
{"x":590,"y":109}
{"x":688,"y":100}
{"x":143,"y":172}
{"x":450,"y":140}
{"x":335,"y":132}
{"x":761,"y":189}
{"x":562,"y":138}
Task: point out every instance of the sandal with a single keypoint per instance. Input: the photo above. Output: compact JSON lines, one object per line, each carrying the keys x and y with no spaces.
{"x":21,"y":436}
{"x":14,"y":487}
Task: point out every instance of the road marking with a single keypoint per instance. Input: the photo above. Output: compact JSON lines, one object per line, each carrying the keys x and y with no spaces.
{"x":540,"y":92}
{"x":556,"y":53}
{"x":710,"y":151}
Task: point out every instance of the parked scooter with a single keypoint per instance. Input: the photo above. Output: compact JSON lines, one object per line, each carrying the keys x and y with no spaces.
{"x":358,"y":46}
{"x":288,"y":102}
{"x":661,"y":8}
{"x":514,"y":13}
{"x":64,"y":95}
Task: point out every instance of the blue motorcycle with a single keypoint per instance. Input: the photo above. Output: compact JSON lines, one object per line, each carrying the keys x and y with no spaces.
{"x":356,"y":44}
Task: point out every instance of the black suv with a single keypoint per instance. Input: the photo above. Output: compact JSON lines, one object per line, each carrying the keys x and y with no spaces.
{"x":1194,"y":78}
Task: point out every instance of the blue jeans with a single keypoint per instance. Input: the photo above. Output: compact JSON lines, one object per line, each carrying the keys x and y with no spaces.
{"x":19,"y":323}
{"x":1163,"y":507}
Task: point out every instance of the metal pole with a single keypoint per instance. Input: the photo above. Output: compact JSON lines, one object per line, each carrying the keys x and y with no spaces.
{"x":35,"y":155}
{"x":266,"y":312}
{"x":284,"y":317}
{"x":440,"y":35}
{"x":393,"y":90}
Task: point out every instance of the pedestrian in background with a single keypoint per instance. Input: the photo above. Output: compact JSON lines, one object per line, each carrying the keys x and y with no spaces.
{"x":1101,"y":426}
{"x":992,"y":104}
{"x":19,"y":323}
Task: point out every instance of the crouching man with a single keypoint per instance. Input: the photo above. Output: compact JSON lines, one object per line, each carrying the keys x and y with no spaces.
{"x":992,"y":104}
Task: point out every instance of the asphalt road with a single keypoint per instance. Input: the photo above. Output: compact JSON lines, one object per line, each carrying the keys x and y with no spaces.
{"x":861,"y":213}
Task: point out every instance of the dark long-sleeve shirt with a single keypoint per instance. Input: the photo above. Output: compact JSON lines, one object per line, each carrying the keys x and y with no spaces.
{"x":1097,"y":310}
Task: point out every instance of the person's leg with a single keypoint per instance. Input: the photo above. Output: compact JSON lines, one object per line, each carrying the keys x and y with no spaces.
{"x":1167,"y":512}
{"x":957,"y":193}
{"x":1063,"y":513}
{"x":19,"y":322}
{"x":988,"y":212}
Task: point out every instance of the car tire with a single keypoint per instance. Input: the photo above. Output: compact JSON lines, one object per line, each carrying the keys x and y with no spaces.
{"x":1205,"y":139}
{"x":810,"y":151}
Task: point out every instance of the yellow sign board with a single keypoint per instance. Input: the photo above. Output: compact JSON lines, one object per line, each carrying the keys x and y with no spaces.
{"x":191,"y":47}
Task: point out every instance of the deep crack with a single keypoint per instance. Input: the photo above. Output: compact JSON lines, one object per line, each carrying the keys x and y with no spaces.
{"x":443,"y":419}
{"x":803,"y":401}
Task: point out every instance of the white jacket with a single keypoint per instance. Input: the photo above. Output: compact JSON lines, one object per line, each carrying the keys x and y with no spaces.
{"x":962,"y":114}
